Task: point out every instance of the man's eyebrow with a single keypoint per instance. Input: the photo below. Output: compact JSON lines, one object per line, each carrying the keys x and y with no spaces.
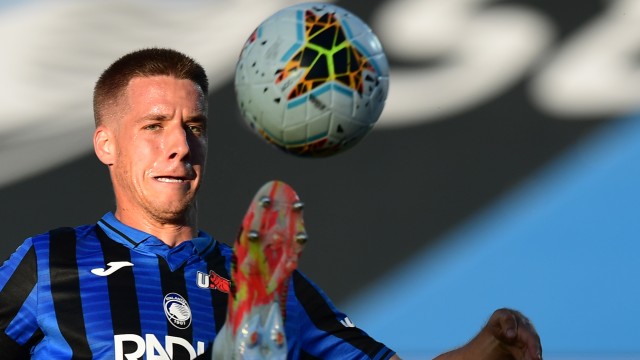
{"x":201,"y":118}
{"x":198,"y":118}
{"x":156,"y":117}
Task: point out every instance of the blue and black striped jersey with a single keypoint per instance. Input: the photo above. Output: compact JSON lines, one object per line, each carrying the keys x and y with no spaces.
{"x":109,"y":291}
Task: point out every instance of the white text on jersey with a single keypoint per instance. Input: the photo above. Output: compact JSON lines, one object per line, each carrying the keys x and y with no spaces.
{"x":152,"y":347}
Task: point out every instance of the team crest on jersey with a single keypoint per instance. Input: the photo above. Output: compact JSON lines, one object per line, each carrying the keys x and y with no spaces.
{"x":177,"y":310}
{"x":213,"y":281}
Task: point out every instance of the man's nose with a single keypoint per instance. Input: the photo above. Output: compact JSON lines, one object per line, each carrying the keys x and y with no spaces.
{"x":178,"y":143}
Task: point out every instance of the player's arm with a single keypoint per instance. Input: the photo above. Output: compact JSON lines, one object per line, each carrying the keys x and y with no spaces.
{"x":326,"y":332}
{"x":507,"y":335}
{"x":18,"y":325}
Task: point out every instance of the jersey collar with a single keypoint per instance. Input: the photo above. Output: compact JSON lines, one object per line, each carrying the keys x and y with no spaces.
{"x":143,"y":242}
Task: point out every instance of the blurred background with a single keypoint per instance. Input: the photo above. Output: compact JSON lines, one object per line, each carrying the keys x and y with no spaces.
{"x":503,"y":173}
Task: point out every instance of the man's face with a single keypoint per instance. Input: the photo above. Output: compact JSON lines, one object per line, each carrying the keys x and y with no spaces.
{"x":161,"y":147}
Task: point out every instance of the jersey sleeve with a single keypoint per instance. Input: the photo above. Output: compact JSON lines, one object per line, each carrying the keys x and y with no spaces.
{"x":327,"y":333}
{"x":18,"y":322}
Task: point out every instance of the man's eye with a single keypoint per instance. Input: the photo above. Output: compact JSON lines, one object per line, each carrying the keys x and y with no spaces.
{"x":196,"y":129}
{"x":152,"y":127}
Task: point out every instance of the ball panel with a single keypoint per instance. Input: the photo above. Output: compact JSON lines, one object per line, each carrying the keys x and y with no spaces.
{"x":295,"y":135}
{"x":318,"y":127}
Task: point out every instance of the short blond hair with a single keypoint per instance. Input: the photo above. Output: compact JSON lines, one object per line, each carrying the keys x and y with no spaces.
{"x":111,"y":85}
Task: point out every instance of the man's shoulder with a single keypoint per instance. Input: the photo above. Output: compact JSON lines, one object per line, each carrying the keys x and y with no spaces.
{"x":79,"y":232}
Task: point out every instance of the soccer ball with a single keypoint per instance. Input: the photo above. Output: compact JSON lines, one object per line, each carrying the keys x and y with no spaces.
{"x":312,"y":79}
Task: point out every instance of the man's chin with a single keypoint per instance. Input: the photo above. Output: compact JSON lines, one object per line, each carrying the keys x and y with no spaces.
{"x":176,"y":213}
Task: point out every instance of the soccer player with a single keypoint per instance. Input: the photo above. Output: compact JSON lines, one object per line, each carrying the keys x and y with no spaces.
{"x":144,"y":281}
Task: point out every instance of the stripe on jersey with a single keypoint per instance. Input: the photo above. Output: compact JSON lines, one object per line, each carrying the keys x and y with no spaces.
{"x":324,"y":318}
{"x":306,"y":356}
{"x":15,"y":292}
{"x":123,"y":299}
{"x":11,"y":349}
{"x":174,"y":282}
{"x":18,"y":287}
{"x":65,"y":291}
{"x":217,"y":262}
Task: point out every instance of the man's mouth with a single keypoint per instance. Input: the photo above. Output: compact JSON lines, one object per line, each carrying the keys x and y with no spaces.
{"x":169,"y":179}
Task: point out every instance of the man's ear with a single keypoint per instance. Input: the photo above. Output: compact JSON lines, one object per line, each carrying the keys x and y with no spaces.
{"x":104,"y":144}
